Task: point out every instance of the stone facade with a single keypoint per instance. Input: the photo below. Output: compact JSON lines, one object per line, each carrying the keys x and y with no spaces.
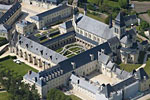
{"x":52,"y":16}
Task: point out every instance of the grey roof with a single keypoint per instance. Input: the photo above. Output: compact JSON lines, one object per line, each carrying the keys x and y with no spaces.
{"x":128,"y":37}
{"x":4,"y":28}
{"x":113,"y":40}
{"x":37,"y":48}
{"x":108,"y":89}
{"x":50,"y":1}
{"x":130,"y":17}
{"x":23,"y":23}
{"x":51,"y":11}
{"x":110,"y":65}
{"x":120,"y":20}
{"x":103,"y":58}
{"x":86,"y":39}
{"x":80,"y":60}
{"x":84,"y":84}
{"x":95,"y":27}
{"x":59,"y":38}
{"x":66,"y":25}
{"x":34,"y":38}
{"x":5,"y":7}
{"x":141,"y":74}
{"x":144,"y":42}
{"x":9,"y":13}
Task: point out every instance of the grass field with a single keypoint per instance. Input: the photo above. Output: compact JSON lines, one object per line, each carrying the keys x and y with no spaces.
{"x":147,"y":67}
{"x":129,"y":67}
{"x":96,"y":17}
{"x":73,"y":97}
{"x":4,"y":96}
{"x":21,"y":69}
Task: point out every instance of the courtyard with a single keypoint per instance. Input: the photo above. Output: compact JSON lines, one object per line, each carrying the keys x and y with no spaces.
{"x":102,"y":79}
{"x":71,"y":50}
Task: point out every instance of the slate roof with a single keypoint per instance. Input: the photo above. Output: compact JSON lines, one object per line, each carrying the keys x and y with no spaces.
{"x":141,"y":74}
{"x":49,"y":1}
{"x":9,"y":13}
{"x":86,"y":39}
{"x":130,"y":17}
{"x":144,"y":42}
{"x":79,"y":60}
{"x":95,"y":27}
{"x":103,"y":58}
{"x":120,"y":20}
{"x":113,"y":40}
{"x":58,"y":38}
{"x":84,"y":84}
{"x":37,"y":48}
{"x":4,"y":28}
{"x":66,"y":25}
{"x":110,"y":65}
{"x":23,"y":23}
{"x":39,"y":17}
{"x":127,"y":38}
{"x":108,"y":89}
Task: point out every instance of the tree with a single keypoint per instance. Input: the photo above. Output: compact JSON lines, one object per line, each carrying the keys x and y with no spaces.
{"x":143,"y":25}
{"x":123,"y":3}
{"x":55,"y":94}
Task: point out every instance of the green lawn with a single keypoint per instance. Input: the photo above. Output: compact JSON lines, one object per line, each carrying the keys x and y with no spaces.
{"x":4,"y":96}
{"x":21,"y":69}
{"x":129,"y":67}
{"x":59,"y":50}
{"x":3,"y":41}
{"x":71,"y":55}
{"x":111,"y":3}
{"x":73,"y":97}
{"x":96,"y":17}
{"x":147,"y":67}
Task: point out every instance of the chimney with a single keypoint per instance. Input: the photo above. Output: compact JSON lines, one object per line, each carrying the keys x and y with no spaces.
{"x":35,"y":79}
{"x":92,"y":57}
{"x":144,"y":77}
{"x":85,"y":9}
{"x":50,"y":77}
{"x":110,"y":21}
{"x":61,"y":71}
{"x":73,"y":65}
{"x":102,"y":50}
{"x":29,"y":72}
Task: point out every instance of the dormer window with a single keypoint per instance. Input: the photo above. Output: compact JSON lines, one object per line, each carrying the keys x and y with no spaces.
{"x":51,"y":57}
{"x":41,"y":52}
{"x":27,"y":45}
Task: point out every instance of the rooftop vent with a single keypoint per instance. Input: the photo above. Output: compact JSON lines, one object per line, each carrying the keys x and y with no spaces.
{"x":73,"y":65}
{"x":92,"y":57}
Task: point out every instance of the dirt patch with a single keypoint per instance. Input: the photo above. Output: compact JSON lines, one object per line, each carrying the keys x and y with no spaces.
{"x":145,"y":17}
{"x":141,"y":6}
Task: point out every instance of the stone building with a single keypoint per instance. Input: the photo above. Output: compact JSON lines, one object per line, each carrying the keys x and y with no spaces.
{"x":8,"y":19}
{"x":43,"y":3}
{"x":66,"y":27}
{"x":25,"y":27}
{"x":35,"y":53}
{"x":52,"y":16}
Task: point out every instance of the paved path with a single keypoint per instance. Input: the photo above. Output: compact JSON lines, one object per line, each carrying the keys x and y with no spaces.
{"x":145,"y":97}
